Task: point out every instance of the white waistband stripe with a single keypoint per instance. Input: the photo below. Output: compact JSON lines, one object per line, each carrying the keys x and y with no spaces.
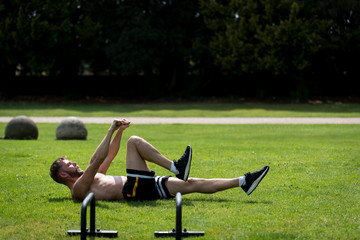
{"x":139,"y":176}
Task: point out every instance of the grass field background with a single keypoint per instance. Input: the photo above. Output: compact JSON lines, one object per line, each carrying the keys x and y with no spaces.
{"x":311,"y":191}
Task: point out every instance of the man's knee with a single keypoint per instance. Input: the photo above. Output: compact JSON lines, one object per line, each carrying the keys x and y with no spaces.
{"x":191,"y":184}
{"x":134,"y":140}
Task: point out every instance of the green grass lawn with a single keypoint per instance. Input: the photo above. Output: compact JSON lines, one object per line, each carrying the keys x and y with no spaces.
{"x":180,"y":110}
{"x":311,"y":192}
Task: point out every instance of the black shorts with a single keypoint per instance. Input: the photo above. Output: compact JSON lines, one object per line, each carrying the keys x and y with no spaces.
{"x":142,"y":186}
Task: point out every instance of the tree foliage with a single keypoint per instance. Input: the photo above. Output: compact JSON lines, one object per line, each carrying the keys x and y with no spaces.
{"x":46,"y":37}
{"x":263,"y":35}
{"x":169,"y":40}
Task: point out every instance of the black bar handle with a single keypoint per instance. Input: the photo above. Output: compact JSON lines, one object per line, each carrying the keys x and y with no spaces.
{"x":89,"y":198}
{"x":178,"y":226}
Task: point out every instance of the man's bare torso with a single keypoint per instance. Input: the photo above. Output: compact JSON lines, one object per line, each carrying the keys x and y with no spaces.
{"x":106,"y":187}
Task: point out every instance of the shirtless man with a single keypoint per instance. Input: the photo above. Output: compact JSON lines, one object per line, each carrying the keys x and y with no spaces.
{"x":140,"y":182}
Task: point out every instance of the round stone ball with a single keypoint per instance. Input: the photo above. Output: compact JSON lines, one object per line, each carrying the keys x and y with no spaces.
{"x":71,"y":128}
{"x":21,"y":127}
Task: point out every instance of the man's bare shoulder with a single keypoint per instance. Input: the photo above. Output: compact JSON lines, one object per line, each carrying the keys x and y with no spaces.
{"x":82,"y":186}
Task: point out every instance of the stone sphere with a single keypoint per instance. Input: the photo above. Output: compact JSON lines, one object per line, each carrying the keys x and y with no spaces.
{"x":71,"y":128}
{"x":21,"y":127}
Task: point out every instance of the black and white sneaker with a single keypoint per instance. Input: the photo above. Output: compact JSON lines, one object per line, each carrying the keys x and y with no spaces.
{"x":253,"y":179}
{"x":183,"y":164}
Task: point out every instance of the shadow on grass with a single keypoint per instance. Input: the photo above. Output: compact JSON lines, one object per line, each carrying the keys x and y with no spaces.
{"x":256,"y":202}
{"x":189,"y":202}
{"x":185,"y":202}
{"x":67,"y":199}
{"x":60,"y":199}
{"x":149,"y":203}
{"x":156,"y":203}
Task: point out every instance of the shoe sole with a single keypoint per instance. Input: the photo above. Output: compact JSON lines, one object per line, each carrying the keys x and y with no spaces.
{"x":257,"y":181}
{"x":187,"y":168}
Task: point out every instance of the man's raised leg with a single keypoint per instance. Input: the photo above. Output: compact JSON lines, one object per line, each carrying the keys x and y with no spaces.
{"x":139,"y":151}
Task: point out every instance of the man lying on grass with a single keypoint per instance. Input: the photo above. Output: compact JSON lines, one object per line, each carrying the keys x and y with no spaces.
{"x":140,"y":182}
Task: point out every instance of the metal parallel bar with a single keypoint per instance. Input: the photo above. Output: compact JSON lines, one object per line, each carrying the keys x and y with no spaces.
{"x":184,"y":233}
{"x":97,"y":233}
{"x":85,"y":203}
{"x":90,"y":198}
{"x":177,"y":231}
{"x":92,"y":215}
{"x":178,"y":226}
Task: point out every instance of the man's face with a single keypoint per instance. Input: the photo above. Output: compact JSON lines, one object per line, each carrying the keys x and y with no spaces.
{"x":71,"y":168}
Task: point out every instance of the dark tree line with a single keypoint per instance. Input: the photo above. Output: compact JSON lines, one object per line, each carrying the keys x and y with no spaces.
{"x":185,"y":47}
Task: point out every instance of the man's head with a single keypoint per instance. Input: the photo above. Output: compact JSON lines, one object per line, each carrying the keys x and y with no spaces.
{"x":62,"y":170}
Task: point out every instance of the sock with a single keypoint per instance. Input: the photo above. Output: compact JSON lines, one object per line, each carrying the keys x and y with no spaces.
{"x":242,"y":181}
{"x":173,"y":169}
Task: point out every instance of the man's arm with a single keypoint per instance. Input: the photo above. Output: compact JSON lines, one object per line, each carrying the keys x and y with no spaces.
{"x":114,"y":147}
{"x":83,"y":184}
